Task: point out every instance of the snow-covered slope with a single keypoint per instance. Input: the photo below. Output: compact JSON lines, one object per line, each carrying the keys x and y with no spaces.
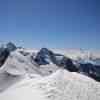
{"x":61,"y":85}
{"x":21,"y":78}
{"x":17,"y":64}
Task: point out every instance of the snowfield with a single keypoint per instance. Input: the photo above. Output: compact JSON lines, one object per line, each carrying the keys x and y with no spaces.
{"x":61,"y":85}
{"x":22,"y":79}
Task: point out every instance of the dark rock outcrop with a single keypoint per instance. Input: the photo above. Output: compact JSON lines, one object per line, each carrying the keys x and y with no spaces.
{"x":68,"y":64}
{"x":4,"y":53}
{"x":10,"y":46}
{"x":45,"y":56}
{"x":90,"y":70}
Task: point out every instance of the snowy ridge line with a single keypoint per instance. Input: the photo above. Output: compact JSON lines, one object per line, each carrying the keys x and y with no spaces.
{"x":64,"y":85}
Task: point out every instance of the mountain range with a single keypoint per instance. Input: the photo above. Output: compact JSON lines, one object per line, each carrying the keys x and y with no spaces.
{"x":45,"y":66}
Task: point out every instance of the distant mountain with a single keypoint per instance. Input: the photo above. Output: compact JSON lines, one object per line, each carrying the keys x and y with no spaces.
{"x":5,"y":51}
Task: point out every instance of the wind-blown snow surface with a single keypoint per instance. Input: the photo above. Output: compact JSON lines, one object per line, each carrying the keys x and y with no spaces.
{"x":23,"y":79}
{"x":61,"y":85}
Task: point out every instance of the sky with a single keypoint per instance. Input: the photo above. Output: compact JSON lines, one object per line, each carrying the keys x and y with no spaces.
{"x":51,"y":23}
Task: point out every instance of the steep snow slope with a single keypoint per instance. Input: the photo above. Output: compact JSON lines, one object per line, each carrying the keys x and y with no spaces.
{"x":61,"y":85}
{"x":17,"y":64}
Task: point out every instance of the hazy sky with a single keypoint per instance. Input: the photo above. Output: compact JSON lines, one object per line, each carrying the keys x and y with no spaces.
{"x":51,"y":23}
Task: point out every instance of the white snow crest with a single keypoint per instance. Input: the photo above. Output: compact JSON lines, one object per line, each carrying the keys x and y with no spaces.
{"x":64,"y":85}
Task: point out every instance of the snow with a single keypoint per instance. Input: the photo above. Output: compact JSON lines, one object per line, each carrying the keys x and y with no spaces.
{"x":64,"y":85}
{"x":60,"y":85}
{"x":22,"y":92}
{"x":23,"y":79}
{"x":48,"y":69}
{"x":17,"y":64}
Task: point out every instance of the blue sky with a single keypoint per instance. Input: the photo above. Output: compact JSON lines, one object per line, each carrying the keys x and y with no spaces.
{"x":51,"y":23}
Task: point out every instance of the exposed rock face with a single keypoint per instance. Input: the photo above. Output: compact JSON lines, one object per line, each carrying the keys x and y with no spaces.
{"x":11,"y":47}
{"x":90,"y":70}
{"x":44,"y":56}
{"x":4,"y":53}
{"x":68,"y":64}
